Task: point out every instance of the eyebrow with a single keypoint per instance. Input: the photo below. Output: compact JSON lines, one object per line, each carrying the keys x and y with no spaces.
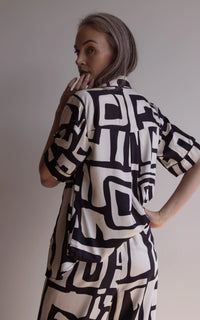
{"x":85,"y":42}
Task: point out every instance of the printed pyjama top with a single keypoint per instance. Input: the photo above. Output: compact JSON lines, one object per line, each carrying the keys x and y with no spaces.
{"x":105,"y":151}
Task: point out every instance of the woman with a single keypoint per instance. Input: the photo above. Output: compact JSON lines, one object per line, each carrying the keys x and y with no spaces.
{"x":104,"y":144}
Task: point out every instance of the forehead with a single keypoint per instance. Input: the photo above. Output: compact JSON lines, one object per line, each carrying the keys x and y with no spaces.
{"x":86,"y":33}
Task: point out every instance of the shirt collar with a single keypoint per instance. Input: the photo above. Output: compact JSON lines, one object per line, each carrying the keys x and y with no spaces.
{"x":121,"y":81}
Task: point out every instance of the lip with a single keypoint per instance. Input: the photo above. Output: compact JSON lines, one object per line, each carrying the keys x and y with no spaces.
{"x":83,"y":72}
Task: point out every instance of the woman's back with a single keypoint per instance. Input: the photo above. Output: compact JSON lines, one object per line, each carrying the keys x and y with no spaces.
{"x":108,"y":143}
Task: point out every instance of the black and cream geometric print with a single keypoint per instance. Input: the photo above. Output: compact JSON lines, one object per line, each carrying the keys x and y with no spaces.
{"x":123,"y":286}
{"x":106,"y":151}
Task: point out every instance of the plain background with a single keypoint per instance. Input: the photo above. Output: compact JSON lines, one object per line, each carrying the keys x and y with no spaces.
{"x":37,"y":62}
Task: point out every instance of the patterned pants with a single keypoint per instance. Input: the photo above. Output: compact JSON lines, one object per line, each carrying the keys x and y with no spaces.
{"x":123,"y":286}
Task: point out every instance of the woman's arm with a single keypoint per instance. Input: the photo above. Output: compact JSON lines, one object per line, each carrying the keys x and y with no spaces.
{"x":46,"y":178}
{"x":184,"y":191}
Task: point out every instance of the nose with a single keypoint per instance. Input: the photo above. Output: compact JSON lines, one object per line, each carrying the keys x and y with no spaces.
{"x":80,"y":60}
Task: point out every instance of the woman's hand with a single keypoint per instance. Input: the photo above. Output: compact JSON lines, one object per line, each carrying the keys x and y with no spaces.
{"x":84,"y":82}
{"x":186,"y":188}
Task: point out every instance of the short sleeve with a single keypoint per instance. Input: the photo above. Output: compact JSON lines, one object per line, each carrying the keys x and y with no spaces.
{"x":177,"y":151}
{"x":70,"y":146}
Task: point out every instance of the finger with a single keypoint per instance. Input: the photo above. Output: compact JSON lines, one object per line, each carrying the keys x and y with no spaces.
{"x":79,"y":83}
{"x":85,"y":82}
{"x":91,"y":83}
{"x":71,"y":83}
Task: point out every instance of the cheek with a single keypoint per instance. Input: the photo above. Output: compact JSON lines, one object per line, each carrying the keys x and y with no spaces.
{"x":109,"y":59}
{"x":106,"y":61}
{"x":100,"y":62}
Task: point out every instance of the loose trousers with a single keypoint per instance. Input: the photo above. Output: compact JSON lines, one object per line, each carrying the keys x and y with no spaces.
{"x":123,"y":286}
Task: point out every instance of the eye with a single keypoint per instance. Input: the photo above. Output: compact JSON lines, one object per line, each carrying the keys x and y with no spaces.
{"x":90,"y":50}
{"x":76,"y":52}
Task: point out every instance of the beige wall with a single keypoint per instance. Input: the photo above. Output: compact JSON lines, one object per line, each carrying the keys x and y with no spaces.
{"x":37,"y":61}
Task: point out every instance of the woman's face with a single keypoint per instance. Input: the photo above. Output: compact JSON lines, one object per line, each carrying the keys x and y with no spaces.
{"x":93,"y":51}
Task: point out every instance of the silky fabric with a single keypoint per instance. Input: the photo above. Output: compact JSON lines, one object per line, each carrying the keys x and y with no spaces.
{"x":123,"y":286}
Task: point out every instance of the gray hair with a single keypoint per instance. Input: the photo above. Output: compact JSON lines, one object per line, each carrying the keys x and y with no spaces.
{"x":121,"y":41}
